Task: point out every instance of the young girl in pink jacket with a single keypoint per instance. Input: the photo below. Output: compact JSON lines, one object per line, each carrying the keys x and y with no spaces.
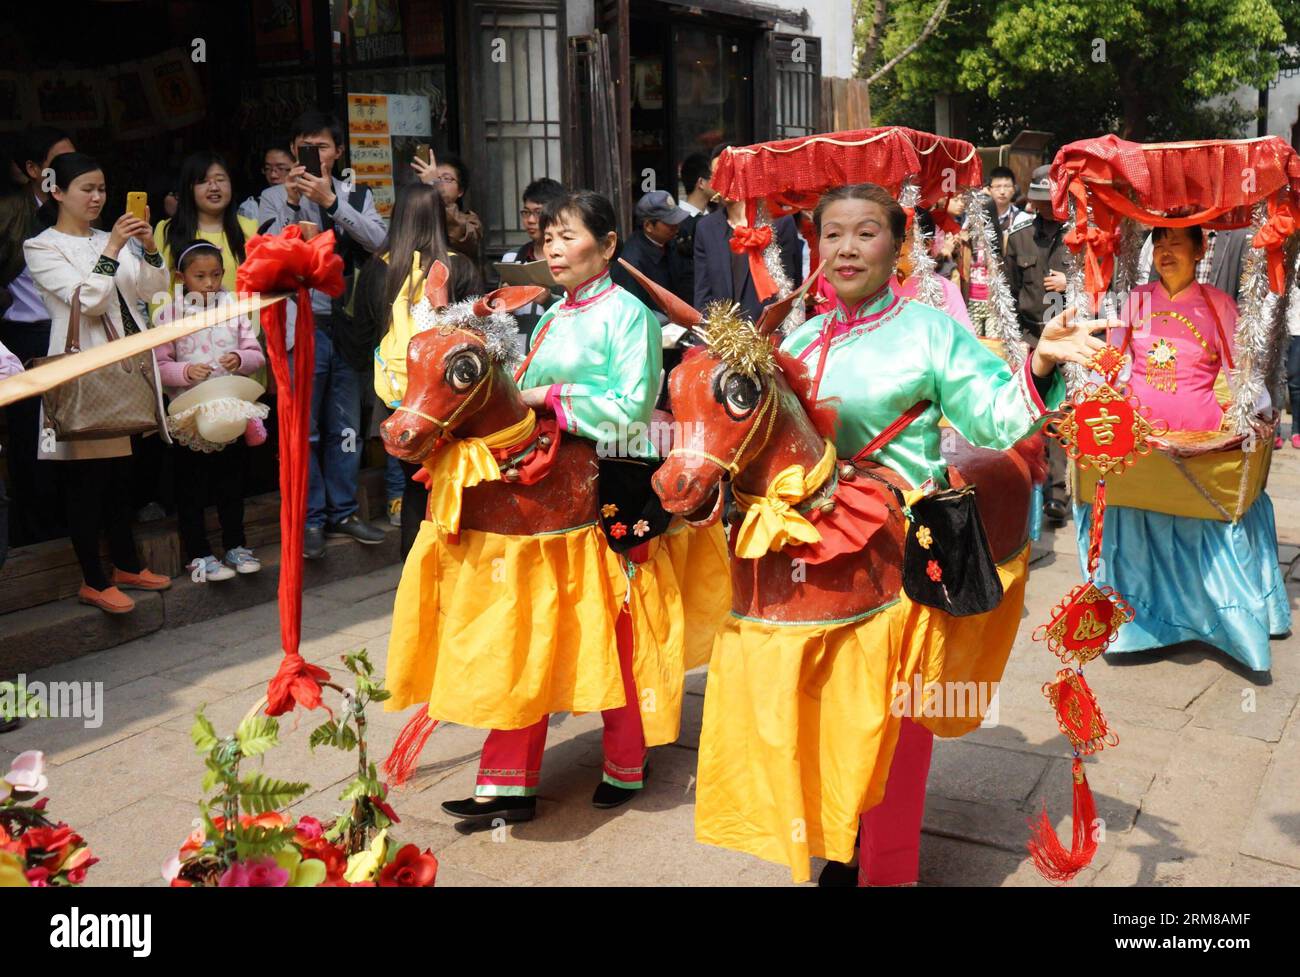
{"x":227,"y":348}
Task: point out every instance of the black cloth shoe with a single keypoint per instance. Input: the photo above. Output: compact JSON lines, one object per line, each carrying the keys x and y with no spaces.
{"x":607,"y":795}
{"x":354,"y":527}
{"x":1056,"y":510}
{"x":510,"y":808}
{"x":838,"y":874}
{"x":313,"y":543}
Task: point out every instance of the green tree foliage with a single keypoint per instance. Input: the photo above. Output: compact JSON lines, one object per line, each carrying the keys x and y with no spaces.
{"x":1143,"y":68}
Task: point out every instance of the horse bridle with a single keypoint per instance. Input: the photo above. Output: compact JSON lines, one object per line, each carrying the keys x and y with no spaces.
{"x":768,"y":406}
{"x":484,"y":383}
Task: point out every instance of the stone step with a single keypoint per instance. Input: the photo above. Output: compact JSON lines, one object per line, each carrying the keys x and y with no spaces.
{"x":63,"y":630}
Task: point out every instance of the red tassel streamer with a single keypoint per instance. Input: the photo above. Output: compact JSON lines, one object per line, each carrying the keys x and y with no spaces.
{"x":1053,"y":862}
{"x":410,"y":741}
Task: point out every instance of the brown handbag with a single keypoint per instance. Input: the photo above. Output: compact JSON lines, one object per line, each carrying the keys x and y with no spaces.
{"x":114,"y":401}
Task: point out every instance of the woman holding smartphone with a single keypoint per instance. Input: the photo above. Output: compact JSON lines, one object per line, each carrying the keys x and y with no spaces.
{"x":110,"y":281}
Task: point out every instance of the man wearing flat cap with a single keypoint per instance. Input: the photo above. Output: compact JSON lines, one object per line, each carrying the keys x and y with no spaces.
{"x":650,"y":249}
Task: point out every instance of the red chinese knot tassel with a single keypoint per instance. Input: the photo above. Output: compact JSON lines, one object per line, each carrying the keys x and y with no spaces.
{"x":1053,"y":862}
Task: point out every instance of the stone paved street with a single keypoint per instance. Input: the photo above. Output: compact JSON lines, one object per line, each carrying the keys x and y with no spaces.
{"x":1203,"y":789}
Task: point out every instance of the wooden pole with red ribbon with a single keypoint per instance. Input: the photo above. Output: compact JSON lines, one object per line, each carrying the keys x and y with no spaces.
{"x":288,"y":262}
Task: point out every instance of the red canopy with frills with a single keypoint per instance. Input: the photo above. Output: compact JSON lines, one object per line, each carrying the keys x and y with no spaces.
{"x":790,"y":174}
{"x":1213,"y":183}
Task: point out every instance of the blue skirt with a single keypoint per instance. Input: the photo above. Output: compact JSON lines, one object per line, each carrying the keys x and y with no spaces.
{"x":1193,"y":579}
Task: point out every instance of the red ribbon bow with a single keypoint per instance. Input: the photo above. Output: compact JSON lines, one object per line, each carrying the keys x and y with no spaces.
{"x":1272,"y":237}
{"x":754,"y":240}
{"x":745,"y":238}
{"x":277,"y":263}
{"x":296,"y":683}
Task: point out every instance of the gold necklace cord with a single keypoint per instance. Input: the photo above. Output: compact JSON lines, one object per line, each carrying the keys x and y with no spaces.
{"x":1185,"y":321}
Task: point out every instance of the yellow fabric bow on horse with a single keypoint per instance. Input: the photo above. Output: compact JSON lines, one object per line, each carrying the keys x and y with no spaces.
{"x":771,"y":521}
{"x":461,"y":463}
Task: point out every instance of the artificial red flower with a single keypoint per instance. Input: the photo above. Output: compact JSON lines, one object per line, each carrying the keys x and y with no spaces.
{"x":38,"y":877}
{"x":933,"y":572}
{"x":618,"y":530}
{"x":48,"y":840}
{"x":388,"y":811}
{"x":411,"y":868}
{"x":335,"y":859}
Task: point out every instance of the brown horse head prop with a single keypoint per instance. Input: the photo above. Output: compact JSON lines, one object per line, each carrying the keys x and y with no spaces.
{"x":460,"y":384}
{"x":458,"y":369}
{"x":743,"y":411}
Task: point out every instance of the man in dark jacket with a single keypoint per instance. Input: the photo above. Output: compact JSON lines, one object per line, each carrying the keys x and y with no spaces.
{"x":1036,"y":260}
{"x":651,"y":249}
{"x":720,"y":273}
{"x":1035,"y":263}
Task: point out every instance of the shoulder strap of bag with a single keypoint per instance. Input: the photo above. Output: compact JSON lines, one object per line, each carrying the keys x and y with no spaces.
{"x":72,"y":344}
{"x":1218,"y":326}
{"x":894,"y":429}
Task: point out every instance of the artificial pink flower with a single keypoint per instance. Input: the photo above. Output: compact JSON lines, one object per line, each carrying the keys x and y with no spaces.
{"x":27,"y":774}
{"x":255,"y":873}
{"x":309,"y":828}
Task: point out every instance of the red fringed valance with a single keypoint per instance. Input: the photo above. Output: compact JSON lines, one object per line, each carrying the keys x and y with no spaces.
{"x":790,"y":174}
{"x":1214,"y":183}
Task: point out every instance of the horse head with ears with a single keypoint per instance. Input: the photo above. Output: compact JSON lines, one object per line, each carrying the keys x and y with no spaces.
{"x":736,"y":413}
{"x":458,"y":368}
{"x":745,"y":411}
{"x":460,"y":385}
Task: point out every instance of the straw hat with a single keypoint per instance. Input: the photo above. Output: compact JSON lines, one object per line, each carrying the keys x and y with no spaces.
{"x":214,"y":413}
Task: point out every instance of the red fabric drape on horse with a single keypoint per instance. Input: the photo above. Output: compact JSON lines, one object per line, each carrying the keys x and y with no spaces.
{"x":278,"y":263}
{"x":790,"y":174}
{"x":1213,"y":182}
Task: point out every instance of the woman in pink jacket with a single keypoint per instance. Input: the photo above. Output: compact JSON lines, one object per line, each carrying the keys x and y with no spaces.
{"x":201,"y":467}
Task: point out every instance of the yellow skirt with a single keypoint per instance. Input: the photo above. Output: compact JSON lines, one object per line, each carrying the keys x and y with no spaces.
{"x":801,"y":721}
{"x":497,"y":631}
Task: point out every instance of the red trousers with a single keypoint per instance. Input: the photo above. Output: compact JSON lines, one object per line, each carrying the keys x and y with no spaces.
{"x":890,"y":840}
{"x":512,"y":758}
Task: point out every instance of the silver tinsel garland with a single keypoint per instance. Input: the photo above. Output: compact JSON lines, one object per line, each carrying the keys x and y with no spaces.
{"x":500,"y":332}
{"x":1001,"y":305}
{"x":930,"y":291}
{"x":1256,"y":308}
{"x":1076,"y":295}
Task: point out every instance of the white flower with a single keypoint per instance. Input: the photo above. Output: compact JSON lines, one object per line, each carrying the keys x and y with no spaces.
{"x":28,"y":773}
{"x":171,"y":868}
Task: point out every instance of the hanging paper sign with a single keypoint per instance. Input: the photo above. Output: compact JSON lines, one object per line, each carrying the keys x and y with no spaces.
{"x":408,"y":115}
{"x":370,"y":146}
{"x":68,"y":98}
{"x":1085,"y":623}
{"x":129,"y":108}
{"x":13,"y":107}
{"x":1078,"y":714}
{"x":368,"y":115}
{"x":174,"y":90}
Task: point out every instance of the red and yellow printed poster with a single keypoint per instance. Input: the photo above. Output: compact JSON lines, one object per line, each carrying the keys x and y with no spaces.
{"x":371,"y":148}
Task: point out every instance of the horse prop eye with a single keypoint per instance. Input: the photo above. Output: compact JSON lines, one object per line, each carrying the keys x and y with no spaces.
{"x":740,"y":394}
{"x":464,"y":370}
